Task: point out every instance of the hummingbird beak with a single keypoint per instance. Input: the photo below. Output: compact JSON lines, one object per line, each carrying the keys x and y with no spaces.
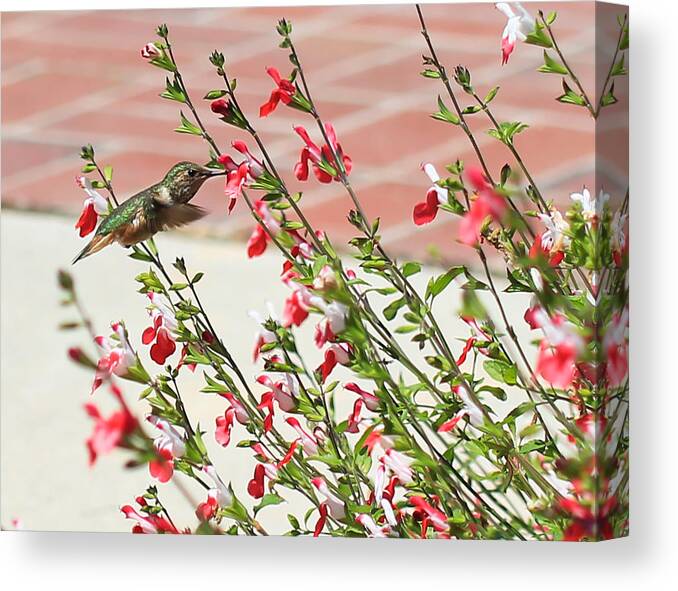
{"x":210,"y":172}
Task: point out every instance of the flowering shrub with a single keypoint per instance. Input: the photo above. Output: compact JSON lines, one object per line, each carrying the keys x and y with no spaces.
{"x":423,"y":453}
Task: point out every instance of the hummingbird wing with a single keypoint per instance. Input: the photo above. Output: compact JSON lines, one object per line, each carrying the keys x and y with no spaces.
{"x":179,"y":215}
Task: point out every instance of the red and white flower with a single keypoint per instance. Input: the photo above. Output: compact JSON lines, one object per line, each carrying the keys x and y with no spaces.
{"x":147,"y":524}
{"x":399,"y":464}
{"x":118,"y":355}
{"x":238,"y":176}
{"x":110,"y":432}
{"x":558,"y":351}
{"x":332,"y":324}
{"x":162,"y":331}
{"x":335,"y":506}
{"x":371,"y":401}
{"x":518,"y":26}
{"x":616,"y":347}
{"x":168,"y":445}
{"x":426,"y":211}
{"x":285,"y":391}
{"x":308,"y":442}
{"x":470,"y":410}
{"x":619,"y":244}
{"x":94,"y":206}
{"x":552,"y":242}
{"x":263,"y":336}
{"x":322,"y":159}
{"x":487,"y":204}
{"x":433,"y":516}
{"x":284,"y":92}
{"x":334,"y":354}
{"x":259,"y":239}
{"x":219,"y":492}
{"x":373,"y":530}
{"x":591,"y":207}
{"x":297,"y":307}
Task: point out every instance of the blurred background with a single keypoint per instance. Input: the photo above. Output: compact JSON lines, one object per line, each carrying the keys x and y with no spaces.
{"x":71,"y":78}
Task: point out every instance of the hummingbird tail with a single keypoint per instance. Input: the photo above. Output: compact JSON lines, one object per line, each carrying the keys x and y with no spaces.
{"x":94,"y":245}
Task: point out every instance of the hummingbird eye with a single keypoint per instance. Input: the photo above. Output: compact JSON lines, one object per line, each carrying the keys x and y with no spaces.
{"x":192,"y":172}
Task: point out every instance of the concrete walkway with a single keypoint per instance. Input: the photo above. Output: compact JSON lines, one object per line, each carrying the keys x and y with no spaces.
{"x":45,"y":478}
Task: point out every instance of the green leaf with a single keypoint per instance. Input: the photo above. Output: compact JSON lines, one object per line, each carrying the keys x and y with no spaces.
{"x":501,"y":371}
{"x":108,"y":173}
{"x":571,"y":97}
{"x":552,"y":66}
{"x":268,"y":499}
{"x":619,"y":69}
{"x":539,"y":37}
{"x":430,"y":73}
{"x":490,"y":95}
{"x":411,"y":268}
{"x":188,"y":127}
{"x":551,"y":18}
{"x":444,"y":114}
{"x":215,"y":94}
{"x":507,"y":130}
{"x":437,"y":285}
{"x":392,"y":309}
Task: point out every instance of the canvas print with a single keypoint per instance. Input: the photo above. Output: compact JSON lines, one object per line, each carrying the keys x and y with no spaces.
{"x":351,"y":271}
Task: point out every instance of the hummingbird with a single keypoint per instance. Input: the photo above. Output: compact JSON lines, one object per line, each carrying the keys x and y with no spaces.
{"x":162,"y":206}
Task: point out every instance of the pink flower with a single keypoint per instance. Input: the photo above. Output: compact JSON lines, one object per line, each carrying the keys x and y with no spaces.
{"x":110,"y":432}
{"x":518,"y":27}
{"x":93,"y":207}
{"x":308,"y":441}
{"x":258,"y":241}
{"x":334,"y":354}
{"x":150,"y":51}
{"x":162,"y":330}
{"x":488,"y":203}
{"x":436,"y":517}
{"x":371,"y":401}
{"x":117,"y":358}
{"x":322,"y":160}
{"x":284,"y":92}
{"x":558,"y":351}
{"x":426,"y":211}
{"x":148,"y":524}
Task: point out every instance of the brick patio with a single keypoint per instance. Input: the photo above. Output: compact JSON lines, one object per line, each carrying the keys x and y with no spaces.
{"x":70,"y":78}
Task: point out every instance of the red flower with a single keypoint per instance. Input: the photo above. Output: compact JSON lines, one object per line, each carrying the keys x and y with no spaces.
{"x":308,"y":441}
{"x":321,"y":159}
{"x":284,"y":92}
{"x":110,"y":432}
{"x":162,"y":467}
{"x":320,"y":524}
{"x":296,"y":308}
{"x":224,"y":425}
{"x":221,"y":107}
{"x":162,"y":329}
{"x":207,"y":510}
{"x":258,"y":241}
{"x":354,"y":417}
{"x":551,"y":243}
{"x":255,"y":487}
{"x":371,"y":401}
{"x":558,"y":351}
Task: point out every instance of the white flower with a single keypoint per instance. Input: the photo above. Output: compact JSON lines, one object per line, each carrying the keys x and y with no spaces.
{"x":554,"y":238}
{"x":432,"y":173}
{"x":169,"y":438}
{"x":220,"y":490}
